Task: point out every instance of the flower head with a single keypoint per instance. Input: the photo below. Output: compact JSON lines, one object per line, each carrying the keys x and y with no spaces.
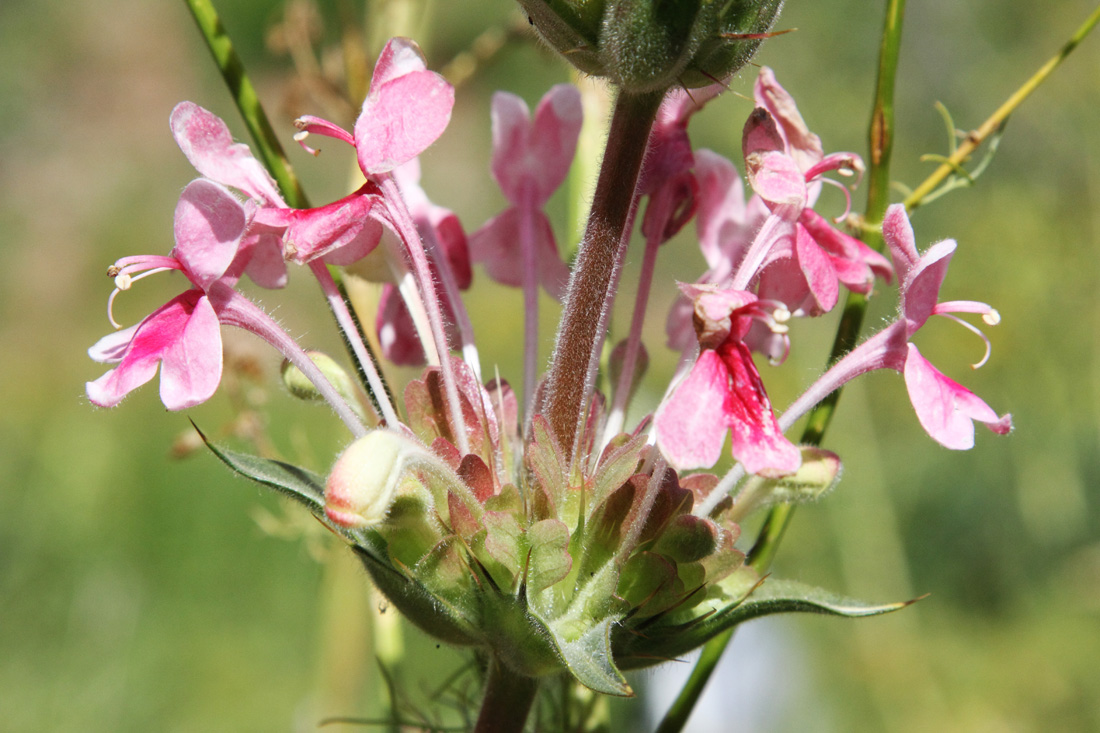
{"x":183,"y":336}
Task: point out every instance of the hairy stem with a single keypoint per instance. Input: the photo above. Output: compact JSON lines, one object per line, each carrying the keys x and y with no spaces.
{"x":578,"y":335}
{"x":507,"y":702}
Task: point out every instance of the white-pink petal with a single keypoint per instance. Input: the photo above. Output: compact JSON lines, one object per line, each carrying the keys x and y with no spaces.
{"x":209,"y":224}
{"x":692,"y":425}
{"x":206,"y":141}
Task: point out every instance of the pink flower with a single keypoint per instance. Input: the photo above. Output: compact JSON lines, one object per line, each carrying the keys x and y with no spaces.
{"x":183,"y":336}
{"x":724,"y":392}
{"x":531,"y":158}
{"x":784,"y":162}
{"x":666,"y":172}
{"x":945,"y":409}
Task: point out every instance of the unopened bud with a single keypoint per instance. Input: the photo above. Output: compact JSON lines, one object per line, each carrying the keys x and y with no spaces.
{"x":364,"y":482}
{"x":303,"y":388}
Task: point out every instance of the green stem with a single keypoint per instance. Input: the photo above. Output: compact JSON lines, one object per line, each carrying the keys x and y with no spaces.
{"x":775,"y":525}
{"x":248,"y":102}
{"x":593,"y":272}
{"x":998,"y":118}
{"x":507,"y":702}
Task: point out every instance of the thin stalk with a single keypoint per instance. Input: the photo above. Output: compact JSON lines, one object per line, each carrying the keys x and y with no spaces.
{"x":775,"y":525}
{"x":998,"y":118}
{"x":507,"y":702}
{"x":530,"y":301}
{"x":352,"y":336}
{"x":578,"y":335}
{"x":399,"y":213}
{"x":237,"y":310}
{"x":616,"y":417}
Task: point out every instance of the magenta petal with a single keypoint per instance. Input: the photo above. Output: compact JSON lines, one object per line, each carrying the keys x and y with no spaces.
{"x":945,"y":408}
{"x":401,"y":119}
{"x":208,"y":227}
{"x":191,"y":366}
{"x":205,"y":140}
{"x":691,"y":426}
{"x":155,"y":339}
{"x":757,"y":440}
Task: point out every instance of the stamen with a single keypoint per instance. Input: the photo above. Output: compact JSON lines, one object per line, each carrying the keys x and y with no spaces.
{"x":974,"y":329}
{"x":123,"y":281}
{"x":992,"y":317}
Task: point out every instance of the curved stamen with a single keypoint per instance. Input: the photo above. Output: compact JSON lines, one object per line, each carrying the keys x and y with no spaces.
{"x":123,"y":281}
{"x":973,"y":329}
{"x":847,"y":198}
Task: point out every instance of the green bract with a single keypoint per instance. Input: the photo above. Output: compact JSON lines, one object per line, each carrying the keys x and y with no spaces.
{"x":652,"y":45}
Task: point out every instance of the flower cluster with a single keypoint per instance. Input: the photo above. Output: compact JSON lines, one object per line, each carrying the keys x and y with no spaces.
{"x":591,"y":552}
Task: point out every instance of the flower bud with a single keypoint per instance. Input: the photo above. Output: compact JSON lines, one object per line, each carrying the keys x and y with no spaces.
{"x":652,"y":45}
{"x":364,"y":482}
{"x":299,"y":385}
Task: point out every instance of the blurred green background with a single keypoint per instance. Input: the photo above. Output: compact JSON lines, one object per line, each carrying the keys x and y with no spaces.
{"x":142,"y":592}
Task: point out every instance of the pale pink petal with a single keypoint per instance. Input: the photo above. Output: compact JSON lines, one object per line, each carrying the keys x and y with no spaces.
{"x":776,"y":178}
{"x":722,"y":219}
{"x":496,"y":245}
{"x":401,"y":56}
{"x":401,"y":119}
{"x":553,"y":140}
{"x":842,"y":245}
{"x":205,"y":140}
{"x":511,"y":121}
{"x":209,"y":224}
{"x":691,"y":426}
{"x":191,"y":365}
{"x":266,"y":265}
{"x":757,"y":440}
{"x":802,"y":144}
{"x":111,"y":348}
{"x":945,"y":408}
{"x":898,"y":233}
{"x":920,"y":291}
{"x":818,"y":270}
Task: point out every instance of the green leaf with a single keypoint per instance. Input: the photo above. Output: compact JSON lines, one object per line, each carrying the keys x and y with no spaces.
{"x":296,"y":482}
{"x":655,"y":642}
{"x":588,"y":658}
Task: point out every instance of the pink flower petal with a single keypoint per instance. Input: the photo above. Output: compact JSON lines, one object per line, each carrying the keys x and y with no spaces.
{"x":401,"y":56}
{"x":691,"y":426}
{"x":496,"y":245}
{"x":920,"y":291}
{"x":205,"y":140}
{"x":531,"y":158}
{"x":400,"y":119}
{"x":184,"y":334}
{"x":757,"y":440}
{"x":945,"y":408}
{"x":209,"y":224}
{"x":191,"y":365}
{"x":802,"y":144}
{"x":818,"y":270}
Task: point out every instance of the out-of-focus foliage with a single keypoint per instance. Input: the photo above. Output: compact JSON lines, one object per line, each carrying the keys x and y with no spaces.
{"x":142,"y":593}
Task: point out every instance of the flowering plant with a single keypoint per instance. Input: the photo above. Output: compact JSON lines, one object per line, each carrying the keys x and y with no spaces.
{"x":538,"y":527}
